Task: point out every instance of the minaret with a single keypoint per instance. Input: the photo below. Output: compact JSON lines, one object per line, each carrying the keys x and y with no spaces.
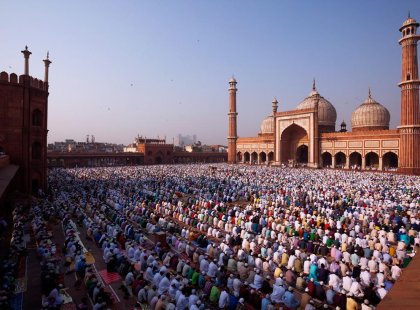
{"x":232,"y":136}
{"x":409,"y":157}
{"x":316,"y":127}
{"x":26,"y":54}
{"x":47,"y":63}
{"x":275,"y":105}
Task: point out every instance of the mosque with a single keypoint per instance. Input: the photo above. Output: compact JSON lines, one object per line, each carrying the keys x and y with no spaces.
{"x":306,"y":136}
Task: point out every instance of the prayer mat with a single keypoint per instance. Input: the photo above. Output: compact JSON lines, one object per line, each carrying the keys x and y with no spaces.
{"x":184,"y":256}
{"x":109,"y":277}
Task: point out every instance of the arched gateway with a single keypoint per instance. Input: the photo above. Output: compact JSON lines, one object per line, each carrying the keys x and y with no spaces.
{"x":294,"y":144}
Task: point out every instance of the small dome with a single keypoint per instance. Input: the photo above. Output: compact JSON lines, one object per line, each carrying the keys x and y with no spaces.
{"x":327,"y":115}
{"x":409,"y":21}
{"x":232,"y":80}
{"x":370,"y":115}
{"x":267,"y":125}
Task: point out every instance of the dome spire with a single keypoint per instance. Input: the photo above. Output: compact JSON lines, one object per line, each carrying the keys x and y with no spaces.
{"x":370,"y":94}
{"x":313,"y":85}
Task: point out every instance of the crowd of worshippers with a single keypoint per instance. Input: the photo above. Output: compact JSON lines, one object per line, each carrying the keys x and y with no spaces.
{"x":48,"y":253}
{"x":247,"y":237}
{"x":13,"y":258}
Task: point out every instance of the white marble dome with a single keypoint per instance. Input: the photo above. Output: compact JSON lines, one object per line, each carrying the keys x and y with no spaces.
{"x":370,"y":115}
{"x":327,"y":115}
{"x":267,"y":125}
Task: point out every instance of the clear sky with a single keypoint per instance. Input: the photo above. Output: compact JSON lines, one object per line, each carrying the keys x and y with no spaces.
{"x":161,"y":68}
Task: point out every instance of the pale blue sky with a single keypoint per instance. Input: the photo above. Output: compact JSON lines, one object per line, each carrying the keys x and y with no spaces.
{"x":160,"y":68}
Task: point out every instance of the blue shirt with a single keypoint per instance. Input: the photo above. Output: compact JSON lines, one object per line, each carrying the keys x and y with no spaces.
{"x":264,"y":304}
{"x":289,"y":300}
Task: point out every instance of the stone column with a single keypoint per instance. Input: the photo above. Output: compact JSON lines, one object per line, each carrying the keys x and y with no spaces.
{"x":47,"y":63}
{"x":26,"y":54}
{"x":380,"y":164}
{"x":363,"y":163}
{"x":333,"y":161}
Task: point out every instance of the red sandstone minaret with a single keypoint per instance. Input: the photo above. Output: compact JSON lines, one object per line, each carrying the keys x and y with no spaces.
{"x":410,"y":125}
{"x":274,"y":105}
{"x":232,"y":135}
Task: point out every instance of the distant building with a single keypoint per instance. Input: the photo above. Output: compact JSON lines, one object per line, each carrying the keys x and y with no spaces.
{"x":70,"y":145}
{"x":156,"y":151}
{"x":205,"y":148}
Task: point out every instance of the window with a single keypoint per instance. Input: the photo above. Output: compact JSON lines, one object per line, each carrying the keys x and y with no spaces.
{"x":36,"y":118}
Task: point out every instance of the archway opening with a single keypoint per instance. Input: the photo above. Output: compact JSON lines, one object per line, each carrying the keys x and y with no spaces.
{"x":390,"y":161}
{"x":302,"y":154}
{"x":239,"y":157}
{"x":326,"y":160}
{"x":270,"y":156}
{"x":254,"y":158}
{"x":247,"y":157}
{"x":159,"y":158}
{"x":355,"y":160}
{"x":372,"y":161}
{"x":340,"y":160}
{"x":263,"y":157}
{"x":294,"y":139}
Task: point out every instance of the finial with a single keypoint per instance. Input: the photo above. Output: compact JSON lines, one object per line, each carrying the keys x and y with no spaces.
{"x":313,"y":85}
{"x":48,"y":54}
{"x":26,"y":47}
{"x":409,"y":14}
{"x":370,"y":95}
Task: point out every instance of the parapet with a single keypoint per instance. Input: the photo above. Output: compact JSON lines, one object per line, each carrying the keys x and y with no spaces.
{"x":13,"y":79}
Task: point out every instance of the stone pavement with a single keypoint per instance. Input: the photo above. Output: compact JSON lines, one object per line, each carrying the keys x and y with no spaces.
{"x":405,"y":294}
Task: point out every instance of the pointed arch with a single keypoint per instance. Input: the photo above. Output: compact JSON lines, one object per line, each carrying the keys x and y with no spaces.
{"x":239,"y":157}
{"x":326,"y":158}
{"x":254,"y":157}
{"x":340,"y":160}
{"x":293,"y":137}
{"x":247,"y":157}
{"x":372,"y":160}
{"x":355,"y":160}
{"x":263,"y":157}
{"x":390,"y":161}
